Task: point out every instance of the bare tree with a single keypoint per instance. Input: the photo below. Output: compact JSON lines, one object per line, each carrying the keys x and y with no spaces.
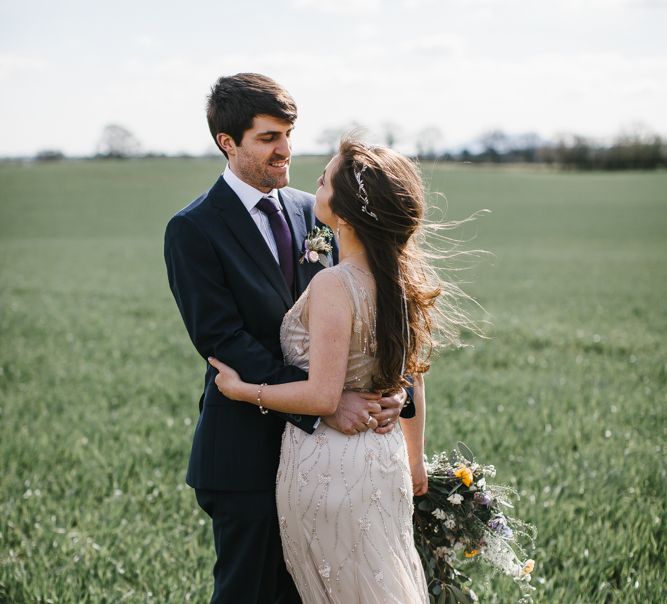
{"x":49,"y":155}
{"x":330,"y":137}
{"x":391,"y":133}
{"x":495,"y":143}
{"x":636,"y":132}
{"x":428,"y":140}
{"x":117,"y":142}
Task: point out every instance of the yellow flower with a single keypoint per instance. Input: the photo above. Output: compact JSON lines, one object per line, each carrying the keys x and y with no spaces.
{"x":464,"y":474}
{"x":470,"y":553}
{"x":528,"y":566}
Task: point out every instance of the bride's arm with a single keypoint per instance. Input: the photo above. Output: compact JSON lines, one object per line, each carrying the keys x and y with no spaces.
{"x":413,"y":430}
{"x":330,"y":327}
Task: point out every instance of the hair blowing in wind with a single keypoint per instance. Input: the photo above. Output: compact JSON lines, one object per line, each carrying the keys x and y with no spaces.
{"x":418,"y":310}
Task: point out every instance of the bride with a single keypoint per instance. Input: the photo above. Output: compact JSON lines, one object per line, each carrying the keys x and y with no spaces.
{"x":345,"y":502}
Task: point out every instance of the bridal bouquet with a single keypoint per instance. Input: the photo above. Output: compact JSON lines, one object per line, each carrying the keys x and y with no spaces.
{"x":463,"y":519}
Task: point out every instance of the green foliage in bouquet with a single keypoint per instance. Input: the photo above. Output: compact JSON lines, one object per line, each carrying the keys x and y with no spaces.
{"x":463,"y":519}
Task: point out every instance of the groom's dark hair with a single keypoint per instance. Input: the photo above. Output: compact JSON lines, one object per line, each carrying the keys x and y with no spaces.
{"x":236,"y":100}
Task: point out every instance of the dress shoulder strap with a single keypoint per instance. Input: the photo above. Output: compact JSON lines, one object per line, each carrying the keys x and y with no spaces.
{"x":360,"y":288}
{"x":358,"y":283}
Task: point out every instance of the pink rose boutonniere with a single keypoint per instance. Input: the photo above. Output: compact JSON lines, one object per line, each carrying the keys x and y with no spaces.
{"x":317,"y":246}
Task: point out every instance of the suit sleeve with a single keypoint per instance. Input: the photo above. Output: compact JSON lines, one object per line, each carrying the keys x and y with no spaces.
{"x":409,"y":409}
{"x":210,"y":312}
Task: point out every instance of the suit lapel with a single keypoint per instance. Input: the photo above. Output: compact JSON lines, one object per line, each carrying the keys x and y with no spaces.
{"x":297,"y":223}
{"x":244,"y":229}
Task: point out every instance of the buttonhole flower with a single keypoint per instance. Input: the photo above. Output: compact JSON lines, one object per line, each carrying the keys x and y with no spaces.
{"x":317,"y":246}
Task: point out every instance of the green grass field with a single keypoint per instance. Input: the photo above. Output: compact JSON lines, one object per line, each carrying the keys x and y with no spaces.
{"x":99,"y":382}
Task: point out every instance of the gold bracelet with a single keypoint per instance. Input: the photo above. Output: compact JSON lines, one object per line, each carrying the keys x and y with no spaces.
{"x":259,"y":399}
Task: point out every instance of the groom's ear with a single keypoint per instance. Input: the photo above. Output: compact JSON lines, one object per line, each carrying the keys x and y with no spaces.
{"x":226,"y":143}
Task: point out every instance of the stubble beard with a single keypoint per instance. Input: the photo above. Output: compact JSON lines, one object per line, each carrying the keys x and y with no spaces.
{"x":275,"y":182}
{"x":256,"y":174}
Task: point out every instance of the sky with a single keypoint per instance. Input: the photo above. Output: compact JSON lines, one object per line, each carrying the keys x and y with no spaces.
{"x":464,"y":67}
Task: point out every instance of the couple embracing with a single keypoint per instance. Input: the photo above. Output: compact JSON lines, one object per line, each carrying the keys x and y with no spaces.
{"x":298,"y":455}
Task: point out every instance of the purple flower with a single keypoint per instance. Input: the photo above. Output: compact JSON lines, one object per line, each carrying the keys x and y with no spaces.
{"x":499,"y":525}
{"x":483,"y":499}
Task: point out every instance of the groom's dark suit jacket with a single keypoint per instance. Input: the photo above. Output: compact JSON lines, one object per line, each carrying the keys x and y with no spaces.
{"x":232,"y":297}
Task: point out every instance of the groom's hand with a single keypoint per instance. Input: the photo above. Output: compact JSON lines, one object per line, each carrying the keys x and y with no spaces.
{"x":356,"y":412}
{"x":391,"y":410}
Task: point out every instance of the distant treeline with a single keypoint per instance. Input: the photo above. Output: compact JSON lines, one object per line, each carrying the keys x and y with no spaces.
{"x":575,"y":152}
{"x":638,"y":150}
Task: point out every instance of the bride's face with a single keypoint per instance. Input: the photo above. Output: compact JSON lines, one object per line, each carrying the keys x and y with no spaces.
{"x":324,"y":193}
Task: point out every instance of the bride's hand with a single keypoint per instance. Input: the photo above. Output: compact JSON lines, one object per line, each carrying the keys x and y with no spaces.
{"x":227,"y":379}
{"x":419,"y":477}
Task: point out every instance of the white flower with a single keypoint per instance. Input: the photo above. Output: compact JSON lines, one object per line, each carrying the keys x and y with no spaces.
{"x":439,"y":514}
{"x":455,"y":499}
{"x":450,"y":523}
{"x":441,"y":552}
{"x":313,"y":256}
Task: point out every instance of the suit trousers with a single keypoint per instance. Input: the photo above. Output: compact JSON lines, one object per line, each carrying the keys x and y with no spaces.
{"x":249,"y":568}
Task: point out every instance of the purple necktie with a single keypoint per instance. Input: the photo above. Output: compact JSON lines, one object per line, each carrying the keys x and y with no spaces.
{"x":282,"y":236}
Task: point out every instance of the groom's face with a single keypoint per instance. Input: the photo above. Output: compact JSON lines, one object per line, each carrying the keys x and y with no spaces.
{"x":263,"y":157}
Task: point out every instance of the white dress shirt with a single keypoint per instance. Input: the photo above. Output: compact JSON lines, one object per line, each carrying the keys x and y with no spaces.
{"x":250,"y":197}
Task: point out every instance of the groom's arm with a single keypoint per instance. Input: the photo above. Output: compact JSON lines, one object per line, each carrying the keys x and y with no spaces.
{"x":408,"y":410}
{"x":211,"y":315}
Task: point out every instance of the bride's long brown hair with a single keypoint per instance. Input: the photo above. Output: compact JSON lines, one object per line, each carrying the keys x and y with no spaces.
{"x":404,"y":277}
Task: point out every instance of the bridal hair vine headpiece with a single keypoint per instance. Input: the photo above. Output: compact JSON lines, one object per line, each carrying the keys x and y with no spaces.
{"x":361,"y":193}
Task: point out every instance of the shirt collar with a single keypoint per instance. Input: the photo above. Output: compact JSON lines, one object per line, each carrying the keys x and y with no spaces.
{"x":248,"y":195}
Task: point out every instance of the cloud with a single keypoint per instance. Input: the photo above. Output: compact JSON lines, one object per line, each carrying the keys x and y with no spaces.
{"x":148,"y":41}
{"x":13,"y":65}
{"x":435,"y":44}
{"x":464,"y":66}
{"x":592,"y":5}
{"x":342,"y":7}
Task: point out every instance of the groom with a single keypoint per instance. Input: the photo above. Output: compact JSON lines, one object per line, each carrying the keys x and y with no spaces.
{"x":232,"y":261}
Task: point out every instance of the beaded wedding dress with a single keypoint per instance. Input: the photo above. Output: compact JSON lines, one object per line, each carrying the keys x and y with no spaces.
{"x":345,"y":502}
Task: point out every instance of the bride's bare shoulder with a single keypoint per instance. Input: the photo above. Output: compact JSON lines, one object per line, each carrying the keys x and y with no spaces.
{"x":327,"y":278}
{"x":328,"y":286}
